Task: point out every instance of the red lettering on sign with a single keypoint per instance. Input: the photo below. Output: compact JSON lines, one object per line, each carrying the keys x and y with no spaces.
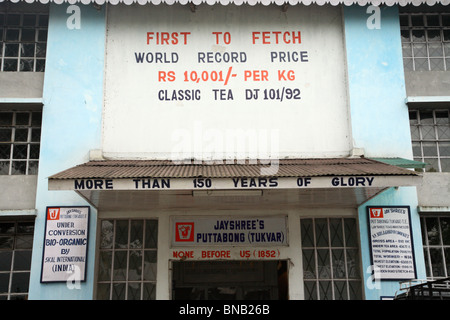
{"x":167,"y":38}
{"x":216,"y":254}
{"x":276,"y":37}
{"x":256,"y":75}
{"x":183,"y":254}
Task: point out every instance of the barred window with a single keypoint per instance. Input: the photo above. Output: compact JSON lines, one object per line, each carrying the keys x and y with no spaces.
{"x":20,"y":135}
{"x":436,"y":246}
{"x":127,"y":260}
{"x":23,"y":41}
{"x":425,"y":41}
{"x":16,"y":242}
{"x":331,"y":262}
{"x":430,"y":133}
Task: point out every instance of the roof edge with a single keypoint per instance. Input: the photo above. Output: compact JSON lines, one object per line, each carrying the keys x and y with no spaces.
{"x":126,"y":169}
{"x":244,"y":2}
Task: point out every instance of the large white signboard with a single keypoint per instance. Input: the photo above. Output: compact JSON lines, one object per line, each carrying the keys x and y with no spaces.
{"x":65,"y":244}
{"x":225,"y":82}
{"x":391,"y":243}
{"x":228,"y":232}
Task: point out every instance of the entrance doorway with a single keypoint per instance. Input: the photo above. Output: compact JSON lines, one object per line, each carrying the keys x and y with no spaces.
{"x":230,"y":280}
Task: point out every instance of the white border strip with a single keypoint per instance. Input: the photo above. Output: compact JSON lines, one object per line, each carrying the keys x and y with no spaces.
{"x":249,"y":2}
{"x":240,"y":183}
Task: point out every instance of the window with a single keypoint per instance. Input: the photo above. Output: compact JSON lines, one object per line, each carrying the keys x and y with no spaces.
{"x":430,"y":133}
{"x":331,"y":263}
{"x":425,"y":41}
{"x":20,"y":134}
{"x":16,"y":242}
{"x":436,"y":246}
{"x":23,"y":41}
{"x":127,"y":260}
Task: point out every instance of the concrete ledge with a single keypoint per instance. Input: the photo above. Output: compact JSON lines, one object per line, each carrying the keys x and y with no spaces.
{"x":16,"y":213}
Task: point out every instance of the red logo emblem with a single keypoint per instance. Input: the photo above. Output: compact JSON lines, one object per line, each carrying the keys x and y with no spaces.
{"x":376,"y":212}
{"x":184,"y":231}
{"x":53,"y":214}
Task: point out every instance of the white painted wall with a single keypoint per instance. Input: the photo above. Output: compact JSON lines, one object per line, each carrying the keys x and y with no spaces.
{"x":138,"y":125}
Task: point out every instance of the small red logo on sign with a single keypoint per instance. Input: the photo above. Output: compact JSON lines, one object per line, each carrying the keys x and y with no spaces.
{"x":53,"y":214}
{"x":184,"y":231}
{"x":376,"y":212}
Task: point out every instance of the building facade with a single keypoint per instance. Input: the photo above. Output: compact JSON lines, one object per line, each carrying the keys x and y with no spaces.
{"x":170,"y":151}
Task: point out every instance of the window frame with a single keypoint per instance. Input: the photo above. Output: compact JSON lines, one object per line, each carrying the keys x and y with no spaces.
{"x":417,"y":127}
{"x":357,"y":280}
{"x":127,"y":250}
{"x":9,"y":295}
{"x":38,"y":45}
{"x":32,"y":144}
{"x":441,"y":246}
{"x":410,"y":47}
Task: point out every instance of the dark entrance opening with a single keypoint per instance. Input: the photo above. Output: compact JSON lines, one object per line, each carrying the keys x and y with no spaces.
{"x":230,"y":280}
